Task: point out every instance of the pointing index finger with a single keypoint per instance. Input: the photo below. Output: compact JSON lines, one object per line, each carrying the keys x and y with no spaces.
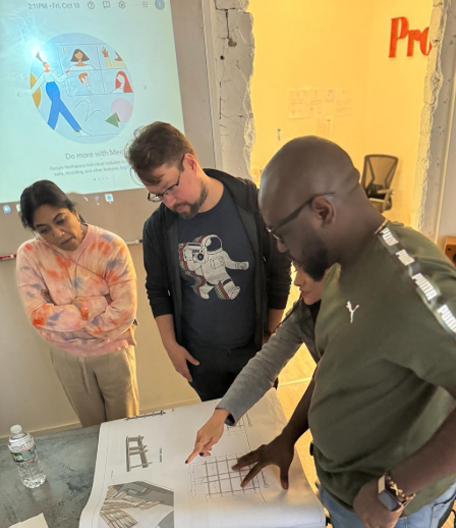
{"x":196,"y":451}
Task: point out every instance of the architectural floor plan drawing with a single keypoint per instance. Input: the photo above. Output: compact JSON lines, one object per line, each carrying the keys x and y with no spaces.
{"x":141,"y":479}
{"x":240,"y":426}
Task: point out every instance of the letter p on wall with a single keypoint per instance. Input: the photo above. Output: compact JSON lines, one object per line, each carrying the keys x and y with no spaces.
{"x":396,"y":34}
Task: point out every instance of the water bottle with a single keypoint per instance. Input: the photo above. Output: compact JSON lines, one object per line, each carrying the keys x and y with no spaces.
{"x":23,"y":450}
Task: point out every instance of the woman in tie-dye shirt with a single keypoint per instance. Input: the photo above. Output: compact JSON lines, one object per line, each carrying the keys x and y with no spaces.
{"x":78,"y":286}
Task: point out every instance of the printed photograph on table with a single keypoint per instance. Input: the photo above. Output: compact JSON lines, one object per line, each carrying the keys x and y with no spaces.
{"x":138,"y":504}
{"x":82,"y":88}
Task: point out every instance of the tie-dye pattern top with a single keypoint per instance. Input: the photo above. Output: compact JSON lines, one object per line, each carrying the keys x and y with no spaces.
{"x":79,"y":318}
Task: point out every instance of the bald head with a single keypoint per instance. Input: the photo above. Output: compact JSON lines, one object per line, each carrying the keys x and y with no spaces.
{"x":302,"y":168}
{"x":312,"y":202}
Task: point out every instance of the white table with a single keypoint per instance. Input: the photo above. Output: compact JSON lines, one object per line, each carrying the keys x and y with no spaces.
{"x":141,"y":478}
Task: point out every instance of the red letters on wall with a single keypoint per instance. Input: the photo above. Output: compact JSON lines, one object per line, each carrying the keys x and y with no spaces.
{"x":400,"y":30}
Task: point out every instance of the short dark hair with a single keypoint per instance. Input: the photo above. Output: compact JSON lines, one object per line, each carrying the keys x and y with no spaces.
{"x":43,"y":192}
{"x":84,"y":56}
{"x":155,"y":145}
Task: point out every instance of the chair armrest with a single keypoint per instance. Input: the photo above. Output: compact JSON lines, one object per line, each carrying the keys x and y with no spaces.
{"x":383,"y":202}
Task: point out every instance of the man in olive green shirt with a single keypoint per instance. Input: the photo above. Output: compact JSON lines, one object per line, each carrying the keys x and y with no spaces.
{"x":381,"y":408}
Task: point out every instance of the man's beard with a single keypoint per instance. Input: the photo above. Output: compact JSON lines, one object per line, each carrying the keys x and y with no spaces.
{"x":315,"y":264}
{"x":193,"y":207}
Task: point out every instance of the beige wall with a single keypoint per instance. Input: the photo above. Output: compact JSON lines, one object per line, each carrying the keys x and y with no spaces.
{"x":341,"y":46}
{"x":30,"y":393}
{"x":303,"y":44}
{"x":395,"y":97}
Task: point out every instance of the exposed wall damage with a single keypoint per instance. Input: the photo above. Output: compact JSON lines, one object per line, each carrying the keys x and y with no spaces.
{"x":434,"y":134}
{"x":234,"y":57}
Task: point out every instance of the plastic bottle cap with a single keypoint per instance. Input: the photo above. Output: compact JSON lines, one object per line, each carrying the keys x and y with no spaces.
{"x":16,"y":429}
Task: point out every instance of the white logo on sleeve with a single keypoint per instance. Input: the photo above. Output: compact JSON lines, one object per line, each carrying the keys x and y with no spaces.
{"x":351,"y":310}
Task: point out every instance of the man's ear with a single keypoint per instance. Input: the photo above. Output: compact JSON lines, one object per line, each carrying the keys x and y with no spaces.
{"x":323,"y":207}
{"x":191,"y":161}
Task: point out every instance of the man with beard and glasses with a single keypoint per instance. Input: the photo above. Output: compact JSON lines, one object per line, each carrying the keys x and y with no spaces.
{"x":382,"y":409}
{"x":216,"y":282}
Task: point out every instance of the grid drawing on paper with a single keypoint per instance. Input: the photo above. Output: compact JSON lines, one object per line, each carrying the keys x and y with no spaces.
{"x":215,"y":477}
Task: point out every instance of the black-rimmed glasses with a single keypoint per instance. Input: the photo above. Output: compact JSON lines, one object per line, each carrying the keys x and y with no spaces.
{"x":293,"y":215}
{"x":156,"y":198}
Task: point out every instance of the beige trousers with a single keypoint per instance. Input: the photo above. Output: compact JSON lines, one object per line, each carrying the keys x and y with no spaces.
{"x":101,"y":388}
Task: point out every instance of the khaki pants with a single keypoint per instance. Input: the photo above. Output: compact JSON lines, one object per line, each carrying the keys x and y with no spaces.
{"x":101,"y":388}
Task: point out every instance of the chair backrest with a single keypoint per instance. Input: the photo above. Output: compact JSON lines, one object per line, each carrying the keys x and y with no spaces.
{"x":378,"y":171}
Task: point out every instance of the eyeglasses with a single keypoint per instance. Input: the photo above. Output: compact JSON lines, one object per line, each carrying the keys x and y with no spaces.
{"x":156,"y":198}
{"x":293,"y":215}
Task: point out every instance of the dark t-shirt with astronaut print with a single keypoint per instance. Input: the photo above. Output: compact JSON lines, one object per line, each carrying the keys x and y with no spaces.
{"x":217,"y":277}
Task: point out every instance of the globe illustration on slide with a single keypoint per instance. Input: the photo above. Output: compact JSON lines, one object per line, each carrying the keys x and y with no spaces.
{"x":82,"y":88}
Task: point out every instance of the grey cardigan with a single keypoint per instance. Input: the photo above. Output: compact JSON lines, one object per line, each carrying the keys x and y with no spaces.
{"x":260,"y":373}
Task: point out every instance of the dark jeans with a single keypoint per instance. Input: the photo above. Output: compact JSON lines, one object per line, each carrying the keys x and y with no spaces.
{"x":218,"y":368}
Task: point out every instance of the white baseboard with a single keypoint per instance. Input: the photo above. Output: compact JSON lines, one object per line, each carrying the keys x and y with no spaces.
{"x":77,"y":425}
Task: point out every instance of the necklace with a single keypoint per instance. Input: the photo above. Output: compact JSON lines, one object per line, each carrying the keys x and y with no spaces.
{"x":380,"y":227}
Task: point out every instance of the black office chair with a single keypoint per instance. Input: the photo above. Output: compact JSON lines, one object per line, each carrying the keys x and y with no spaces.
{"x":378,"y":173}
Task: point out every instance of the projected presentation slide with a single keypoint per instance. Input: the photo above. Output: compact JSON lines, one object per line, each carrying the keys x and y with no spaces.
{"x":77,"y":79}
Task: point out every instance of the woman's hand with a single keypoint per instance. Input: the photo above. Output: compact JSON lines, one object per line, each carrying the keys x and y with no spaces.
{"x":209,"y":434}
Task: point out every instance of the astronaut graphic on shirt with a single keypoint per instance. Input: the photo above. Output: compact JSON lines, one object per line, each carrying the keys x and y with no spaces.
{"x":205,"y":260}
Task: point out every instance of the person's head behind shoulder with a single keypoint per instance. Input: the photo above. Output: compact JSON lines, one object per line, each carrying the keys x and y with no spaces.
{"x":47,"y":210}
{"x":310,"y":289}
{"x":166,"y":163}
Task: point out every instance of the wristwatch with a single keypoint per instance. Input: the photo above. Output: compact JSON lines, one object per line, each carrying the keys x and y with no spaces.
{"x":390,"y":495}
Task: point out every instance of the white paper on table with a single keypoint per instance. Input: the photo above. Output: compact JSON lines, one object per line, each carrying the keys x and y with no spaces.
{"x":141,"y":478}
{"x":35,"y":522}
